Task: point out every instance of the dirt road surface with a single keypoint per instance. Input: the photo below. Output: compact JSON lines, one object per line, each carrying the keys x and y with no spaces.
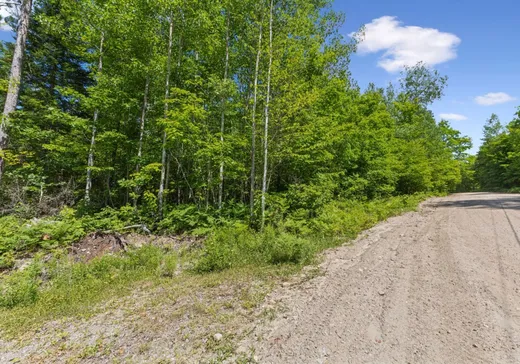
{"x":438,"y":286}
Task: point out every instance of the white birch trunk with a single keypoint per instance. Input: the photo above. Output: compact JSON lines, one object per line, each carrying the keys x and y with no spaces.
{"x":267,"y":104}
{"x":160,"y":196}
{"x":141,"y":135}
{"x":90,"y":163}
{"x":15,"y":77}
{"x":223,"y":121}
{"x":253,"y":126}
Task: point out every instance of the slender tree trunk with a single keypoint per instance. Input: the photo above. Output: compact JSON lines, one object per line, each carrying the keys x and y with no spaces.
{"x":180,"y":148}
{"x":88,"y":186}
{"x":209,"y":183}
{"x":267,"y":104}
{"x":15,"y":77}
{"x":253,"y":126}
{"x":141,"y":135}
{"x":179,"y":174}
{"x":160,"y":197}
{"x":168,"y":162}
{"x":223,"y":121}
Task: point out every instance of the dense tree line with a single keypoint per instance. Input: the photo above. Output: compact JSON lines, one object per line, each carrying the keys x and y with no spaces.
{"x":238,"y":107}
{"x":497,"y":166}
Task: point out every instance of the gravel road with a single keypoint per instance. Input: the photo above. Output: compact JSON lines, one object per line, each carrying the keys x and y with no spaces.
{"x":438,"y":286}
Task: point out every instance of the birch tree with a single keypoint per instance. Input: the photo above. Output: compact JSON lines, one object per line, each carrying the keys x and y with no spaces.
{"x":90,"y":164}
{"x":160,"y":196}
{"x":15,"y":77}
{"x":223,"y":116}
{"x":253,"y":122}
{"x":267,"y":110}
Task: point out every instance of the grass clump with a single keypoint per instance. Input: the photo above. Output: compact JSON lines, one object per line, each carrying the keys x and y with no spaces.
{"x":61,"y":283}
{"x":21,"y":288}
{"x":240,"y":246}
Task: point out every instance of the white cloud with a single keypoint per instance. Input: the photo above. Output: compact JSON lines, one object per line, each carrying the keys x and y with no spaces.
{"x":453,"y":117}
{"x":406,"y":45}
{"x":5,"y":11}
{"x":494,"y":98}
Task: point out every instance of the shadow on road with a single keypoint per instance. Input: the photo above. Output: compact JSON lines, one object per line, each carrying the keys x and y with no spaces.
{"x":507,"y":202}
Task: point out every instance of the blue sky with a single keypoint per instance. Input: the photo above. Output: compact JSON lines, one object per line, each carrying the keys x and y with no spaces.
{"x":6,"y":35}
{"x":473,"y":42}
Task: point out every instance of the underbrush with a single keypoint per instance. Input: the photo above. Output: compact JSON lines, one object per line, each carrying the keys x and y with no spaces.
{"x":20,"y":236}
{"x":240,"y":246}
{"x":299,"y":238}
{"x":54,"y":287}
{"x":62,"y":282}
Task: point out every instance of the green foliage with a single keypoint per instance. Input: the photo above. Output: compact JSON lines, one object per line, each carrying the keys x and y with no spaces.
{"x":328,"y":140}
{"x":282,"y":248}
{"x":423,"y":85}
{"x":28,"y":235}
{"x":348,"y":218}
{"x":300,"y":238}
{"x":110,"y":219}
{"x":7,"y":260}
{"x":239,"y":246}
{"x":21,"y":288}
{"x":230,"y":247}
{"x":19,"y":236}
{"x":189,"y":218}
{"x":497,"y":166}
{"x":61,"y":282}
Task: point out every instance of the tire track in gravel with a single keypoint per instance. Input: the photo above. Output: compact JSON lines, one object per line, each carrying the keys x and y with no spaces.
{"x":438,"y":286}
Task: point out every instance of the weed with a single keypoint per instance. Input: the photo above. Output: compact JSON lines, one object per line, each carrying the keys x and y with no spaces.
{"x":144,"y":348}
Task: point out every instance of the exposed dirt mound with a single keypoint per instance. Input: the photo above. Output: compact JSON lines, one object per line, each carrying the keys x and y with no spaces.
{"x":98,"y":244}
{"x":172,"y":242}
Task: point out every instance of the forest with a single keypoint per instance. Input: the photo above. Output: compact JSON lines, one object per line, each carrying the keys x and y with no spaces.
{"x":497,"y":165}
{"x":212,"y":117}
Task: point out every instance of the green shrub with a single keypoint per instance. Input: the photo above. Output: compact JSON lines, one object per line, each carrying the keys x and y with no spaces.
{"x":168,"y":266}
{"x":109,"y":219}
{"x":240,"y":246}
{"x":348,"y":218}
{"x":187,"y":219}
{"x":148,"y":258}
{"x":6,"y":260}
{"x":287,"y":248}
{"x":70,"y":282}
{"x":48,"y":233}
{"x":21,"y":288}
{"x":226,"y":248}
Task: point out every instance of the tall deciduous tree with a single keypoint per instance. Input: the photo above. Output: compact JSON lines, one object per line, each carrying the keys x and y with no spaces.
{"x":266,"y":112}
{"x":90,"y":163}
{"x":253,"y":120}
{"x":162,"y":186}
{"x":15,"y":77}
